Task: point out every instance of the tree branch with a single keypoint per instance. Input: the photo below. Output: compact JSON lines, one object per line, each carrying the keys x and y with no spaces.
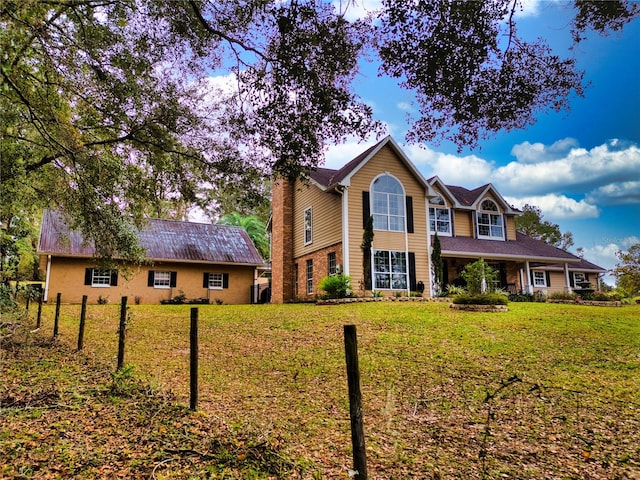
{"x":222,"y":35}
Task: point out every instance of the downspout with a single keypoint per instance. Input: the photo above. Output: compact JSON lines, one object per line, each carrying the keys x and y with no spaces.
{"x":46,"y":280}
{"x":566,"y":277}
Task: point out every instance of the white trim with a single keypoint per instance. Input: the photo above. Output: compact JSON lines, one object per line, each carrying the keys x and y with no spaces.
{"x":46,"y":280}
{"x":372,"y":195}
{"x":543,"y":284}
{"x":567,"y":282}
{"x":345,"y":230}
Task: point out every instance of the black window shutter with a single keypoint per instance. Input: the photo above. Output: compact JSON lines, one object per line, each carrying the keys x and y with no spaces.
{"x":114,"y":278}
{"x":586,"y":277}
{"x":174,"y":278}
{"x":151,"y":278}
{"x":548,"y":278}
{"x":205,"y":280}
{"x":571,"y":280}
{"x":88,"y":274}
{"x":225,"y":280}
{"x":366,"y":209}
{"x":412,"y":271}
{"x":409,"y":202}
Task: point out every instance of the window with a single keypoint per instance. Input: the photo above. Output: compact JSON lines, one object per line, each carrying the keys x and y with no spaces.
{"x":388,"y":204}
{"x":215,"y":281}
{"x":162,"y":279}
{"x":439,"y":217}
{"x":309,"y":276}
{"x":539,"y":279}
{"x":101,"y":278}
{"x":489,"y":221}
{"x":389,"y":270}
{"x":579,"y":278}
{"x":331,"y":261}
{"x":308,"y":237}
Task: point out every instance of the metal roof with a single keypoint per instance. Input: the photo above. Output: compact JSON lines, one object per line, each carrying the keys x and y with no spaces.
{"x":163,"y":240}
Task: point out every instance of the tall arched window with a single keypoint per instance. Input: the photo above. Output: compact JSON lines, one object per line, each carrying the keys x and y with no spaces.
{"x":388,"y":204}
{"x":490,"y":221}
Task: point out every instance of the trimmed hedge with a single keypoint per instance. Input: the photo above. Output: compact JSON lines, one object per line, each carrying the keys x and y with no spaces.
{"x":481,"y":299}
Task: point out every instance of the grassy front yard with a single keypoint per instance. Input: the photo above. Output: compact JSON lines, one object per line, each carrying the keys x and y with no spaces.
{"x":542,"y":391}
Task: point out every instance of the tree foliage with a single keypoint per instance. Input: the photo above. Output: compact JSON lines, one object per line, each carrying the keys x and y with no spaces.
{"x":480,"y":277}
{"x":437,"y":264}
{"x":531,"y":223}
{"x":111,"y":114}
{"x":627,"y":271}
{"x":256,"y":229}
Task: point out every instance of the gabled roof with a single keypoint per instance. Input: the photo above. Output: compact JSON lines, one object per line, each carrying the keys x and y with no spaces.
{"x":329,"y":179}
{"x":523,"y":248}
{"x":472,"y":198}
{"x":163,"y":240}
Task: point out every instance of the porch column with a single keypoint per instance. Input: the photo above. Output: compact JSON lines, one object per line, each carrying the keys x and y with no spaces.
{"x":528,"y":270}
{"x":566,"y":277}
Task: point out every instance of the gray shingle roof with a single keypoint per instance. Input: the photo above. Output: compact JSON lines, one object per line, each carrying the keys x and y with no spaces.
{"x":523,"y":248}
{"x":168,"y":240}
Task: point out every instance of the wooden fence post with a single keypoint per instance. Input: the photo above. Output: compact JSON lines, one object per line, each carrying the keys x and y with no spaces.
{"x":193,"y":400}
{"x":39,"y":318}
{"x":121,"y":333}
{"x":56,"y":320}
{"x":355,"y":403}
{"x":83,"y":315}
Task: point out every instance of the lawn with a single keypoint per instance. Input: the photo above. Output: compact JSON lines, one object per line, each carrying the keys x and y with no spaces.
{"x":541,"y":391}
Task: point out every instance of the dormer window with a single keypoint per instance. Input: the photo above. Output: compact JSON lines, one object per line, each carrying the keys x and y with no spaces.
{"x":388,"y":204}
{"x":489,"y":221}
{"x":439,"y":216}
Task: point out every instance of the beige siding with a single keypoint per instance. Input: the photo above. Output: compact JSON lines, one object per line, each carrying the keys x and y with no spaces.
{"x":462,"y":223}
{"x":326,"y":218}
{"x":67,"y":277}
{"x":511,"y":227}
{"x":387,"y":161}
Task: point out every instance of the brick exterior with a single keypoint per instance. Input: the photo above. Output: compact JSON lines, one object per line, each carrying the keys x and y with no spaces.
{"x":320,"y":270}
{"x":282,"y":241}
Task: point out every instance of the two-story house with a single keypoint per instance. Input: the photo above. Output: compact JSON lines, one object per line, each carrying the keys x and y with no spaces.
{"x":318,"y":226}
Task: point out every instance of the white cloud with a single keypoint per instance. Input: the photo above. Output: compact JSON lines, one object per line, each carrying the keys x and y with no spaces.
{"x":356,"y":10}
{"x":538,"y":152}
{"x":542,"y":169}
{"x":405,"y":107}
{"x":623,"y":193}
{"x":528,"y":8}
{"x":557,"y":207}
{"x":469,"y":170}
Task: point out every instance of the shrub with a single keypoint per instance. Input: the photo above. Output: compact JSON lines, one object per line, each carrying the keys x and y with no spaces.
{"x":480,"y":299}
{"x":336,"y":286}
{"x":521,"y":297}
{"x":480,"y":277}
{"x":562,"y":296}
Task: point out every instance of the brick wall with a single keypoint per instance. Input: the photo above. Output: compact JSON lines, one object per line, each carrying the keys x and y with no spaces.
{"x":320,"y":269}
{"x":282,"y":241}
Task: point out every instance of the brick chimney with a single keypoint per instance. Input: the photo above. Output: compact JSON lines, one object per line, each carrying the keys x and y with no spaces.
{"x":282,"y":281}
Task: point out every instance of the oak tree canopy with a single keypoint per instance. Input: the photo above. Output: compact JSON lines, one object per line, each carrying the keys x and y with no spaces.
{"x":110,"y":111}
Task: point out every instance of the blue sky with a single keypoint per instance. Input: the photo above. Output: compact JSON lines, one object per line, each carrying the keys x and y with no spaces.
{"x":581,"y":167}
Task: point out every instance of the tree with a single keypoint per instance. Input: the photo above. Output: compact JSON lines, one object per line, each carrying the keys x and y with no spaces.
{"x":437,"y":266}
{"x":365,"y":246}
{"x":530,"y":223}
{"x":627,"y":272}
{"x":109,"y":112}
{"x":480,"y":277}
{"x":256,"y":229}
